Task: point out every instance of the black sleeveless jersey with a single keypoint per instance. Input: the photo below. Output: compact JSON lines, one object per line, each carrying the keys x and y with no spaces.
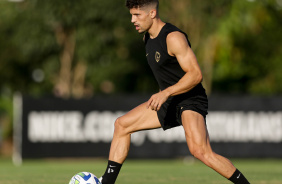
{"x":165,"y":67}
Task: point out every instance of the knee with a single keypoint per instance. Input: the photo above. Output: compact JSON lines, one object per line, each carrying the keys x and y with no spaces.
{"x":120,"y":126}
{"x":199,"y":154}
{"x":202,"y":154}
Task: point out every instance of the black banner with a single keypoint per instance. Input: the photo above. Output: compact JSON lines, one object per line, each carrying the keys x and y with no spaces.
{"x":52,"y":127}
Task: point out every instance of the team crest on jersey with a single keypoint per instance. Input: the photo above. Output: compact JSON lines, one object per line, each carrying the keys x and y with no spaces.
{"x":157,"y":56}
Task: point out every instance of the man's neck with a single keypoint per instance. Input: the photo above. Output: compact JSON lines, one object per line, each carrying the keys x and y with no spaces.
{"x":156,"y":28}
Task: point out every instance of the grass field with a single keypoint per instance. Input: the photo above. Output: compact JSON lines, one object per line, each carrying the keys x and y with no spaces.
{"x":176,"y":171}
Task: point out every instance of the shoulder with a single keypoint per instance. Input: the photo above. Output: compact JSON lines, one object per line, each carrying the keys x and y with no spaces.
{"x":176,"y":42}
{"x":173,"y":32}
{"x":176,"y":38}
{"x":176,"y":35}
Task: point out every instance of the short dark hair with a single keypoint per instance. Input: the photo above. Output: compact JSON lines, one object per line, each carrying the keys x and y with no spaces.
{"x":140,"y":3}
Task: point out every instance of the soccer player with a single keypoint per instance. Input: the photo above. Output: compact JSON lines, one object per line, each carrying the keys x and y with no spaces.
{"x":181,"y":100}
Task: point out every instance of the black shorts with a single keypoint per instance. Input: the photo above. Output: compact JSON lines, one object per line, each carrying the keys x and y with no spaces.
{"x":170,"y":112}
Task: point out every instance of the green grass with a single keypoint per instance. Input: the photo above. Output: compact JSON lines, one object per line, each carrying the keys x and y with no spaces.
{"x":176,"y":171}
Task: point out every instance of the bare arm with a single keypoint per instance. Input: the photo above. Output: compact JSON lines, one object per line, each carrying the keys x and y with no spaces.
{"x":177,"y":46}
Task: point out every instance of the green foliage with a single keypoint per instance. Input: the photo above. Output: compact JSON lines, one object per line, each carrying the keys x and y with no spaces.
{"x":103,"y":41}
{"x":248,"y":55}
{"x":237,"y":44}
{"x":6,"y":115}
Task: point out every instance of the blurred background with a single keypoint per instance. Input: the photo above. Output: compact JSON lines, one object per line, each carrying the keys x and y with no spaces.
{"x":81,"y":49}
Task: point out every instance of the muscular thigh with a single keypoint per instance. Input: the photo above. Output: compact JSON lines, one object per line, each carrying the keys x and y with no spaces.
{"x":140,"y":118}
{"x":195,"y":130}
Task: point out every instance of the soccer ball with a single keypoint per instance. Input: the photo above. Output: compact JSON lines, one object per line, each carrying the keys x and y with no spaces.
{"x":84,"y":178}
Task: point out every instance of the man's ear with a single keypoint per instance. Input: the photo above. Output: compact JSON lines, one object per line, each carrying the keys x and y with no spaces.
{"x":153,"y":13}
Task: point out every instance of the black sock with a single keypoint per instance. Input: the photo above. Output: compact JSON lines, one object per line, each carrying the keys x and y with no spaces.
{"x":238,"y":178}
{"x":111,"y":172}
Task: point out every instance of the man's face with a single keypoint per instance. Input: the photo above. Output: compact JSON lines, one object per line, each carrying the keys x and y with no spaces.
{"x":141,"y":19}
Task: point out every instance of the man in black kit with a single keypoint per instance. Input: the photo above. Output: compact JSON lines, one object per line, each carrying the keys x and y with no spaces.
{"x":181,"y":100}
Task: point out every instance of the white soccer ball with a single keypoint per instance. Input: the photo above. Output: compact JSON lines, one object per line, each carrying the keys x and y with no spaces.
{"x":84,"y":178}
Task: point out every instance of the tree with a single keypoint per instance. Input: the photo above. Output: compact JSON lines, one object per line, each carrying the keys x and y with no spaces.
{"x":248,"y":54}
{"x":77,"y":48}
{"x":77,"y":45}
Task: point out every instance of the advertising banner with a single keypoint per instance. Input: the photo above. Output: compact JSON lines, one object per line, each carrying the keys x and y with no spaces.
{"x":53,"y":127}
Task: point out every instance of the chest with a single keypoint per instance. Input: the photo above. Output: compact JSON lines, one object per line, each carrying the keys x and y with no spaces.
{"x":157,"y":54}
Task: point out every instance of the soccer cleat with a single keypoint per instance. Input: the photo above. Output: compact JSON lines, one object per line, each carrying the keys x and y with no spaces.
{"x":100,"y":179}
